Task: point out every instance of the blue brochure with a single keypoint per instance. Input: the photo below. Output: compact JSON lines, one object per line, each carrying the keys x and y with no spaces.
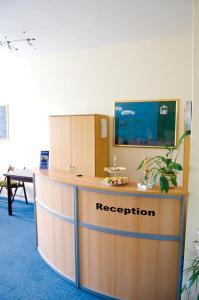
{"x":44,"y":159}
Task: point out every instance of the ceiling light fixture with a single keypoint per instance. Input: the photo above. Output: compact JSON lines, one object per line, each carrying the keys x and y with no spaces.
{"x":10,"y":44}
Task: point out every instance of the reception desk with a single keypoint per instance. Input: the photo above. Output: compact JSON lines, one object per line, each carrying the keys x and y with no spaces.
{"x":118,"y":242}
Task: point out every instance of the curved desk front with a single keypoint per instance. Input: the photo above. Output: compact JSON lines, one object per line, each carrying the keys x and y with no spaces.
{"x":118,"y":242}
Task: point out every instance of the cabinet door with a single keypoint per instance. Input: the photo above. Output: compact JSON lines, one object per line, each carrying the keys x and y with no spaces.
{"x":101,"y":145}
{"x":83,"y":144}
{"x":60,"y":150}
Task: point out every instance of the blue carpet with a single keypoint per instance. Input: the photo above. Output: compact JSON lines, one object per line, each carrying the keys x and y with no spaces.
{"x":23,"y":274}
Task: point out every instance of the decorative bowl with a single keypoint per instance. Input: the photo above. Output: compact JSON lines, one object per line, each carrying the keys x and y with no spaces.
{"x":116,"y":180}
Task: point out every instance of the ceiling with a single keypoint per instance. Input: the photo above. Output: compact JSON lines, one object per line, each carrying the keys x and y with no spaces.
{"x":58,"y":25}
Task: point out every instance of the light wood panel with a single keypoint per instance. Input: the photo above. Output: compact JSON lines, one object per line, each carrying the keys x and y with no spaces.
{"x":165,"y":221}
{"x":128,"y":268}
{"x":60,"y":152}
{"x":55,"y":195}
{"x":56,"y":242}
{"x":83,"y":144}
{"x":101,"y":146}
{"x":76,"y":143}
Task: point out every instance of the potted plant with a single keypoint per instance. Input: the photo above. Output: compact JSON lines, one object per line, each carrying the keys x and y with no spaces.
{"x":193,"y":277}
{"x":165,"y":167}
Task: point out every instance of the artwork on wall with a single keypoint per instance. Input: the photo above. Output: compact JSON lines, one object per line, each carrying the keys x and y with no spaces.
{"x":188,"y":115}
{"x":3,"y":122}
{"x":150,"y":123}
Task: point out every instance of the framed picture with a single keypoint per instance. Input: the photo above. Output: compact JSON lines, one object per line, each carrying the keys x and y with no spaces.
{"x":188,"y":115}
{"x":150,"y":123}
{"x":3,"y":122}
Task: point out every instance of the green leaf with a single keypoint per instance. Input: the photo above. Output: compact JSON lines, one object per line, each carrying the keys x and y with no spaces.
{"x":173,"y":180}
{"x":177,"y":166}
{"x":164,"y":184}
{"x":186,"y":133}
{"x":169,"y":148}
{"x":168,"y":161}
{"x":191,"y":281}
{"x":193,"y":278}
{"x":140,"y":165}
{"x":163,"y":170}
{"x":163,"y":159}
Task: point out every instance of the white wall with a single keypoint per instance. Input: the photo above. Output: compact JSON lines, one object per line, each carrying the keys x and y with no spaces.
{"x":88,"y":81}
{"x":193,"y":203}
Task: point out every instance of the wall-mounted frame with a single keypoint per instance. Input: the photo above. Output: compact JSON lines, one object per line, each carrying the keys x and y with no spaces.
{"x":188,"y":115}
{"x":146,"y":123}
{"x":3,"y":122}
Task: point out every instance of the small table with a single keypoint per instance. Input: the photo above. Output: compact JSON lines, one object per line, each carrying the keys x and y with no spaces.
{"x":24,"y":176}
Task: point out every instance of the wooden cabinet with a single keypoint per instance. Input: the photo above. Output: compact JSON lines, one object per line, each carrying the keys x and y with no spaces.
{"x":59,"y":142}
{"x":79,"y":143}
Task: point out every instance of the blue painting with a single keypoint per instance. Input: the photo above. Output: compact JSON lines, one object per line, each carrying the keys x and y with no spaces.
{"x":145,"y":123}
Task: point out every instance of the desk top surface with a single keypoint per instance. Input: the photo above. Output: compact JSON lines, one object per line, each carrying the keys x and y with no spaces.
{"x":20,"y":174}
{"x":98,"y":184}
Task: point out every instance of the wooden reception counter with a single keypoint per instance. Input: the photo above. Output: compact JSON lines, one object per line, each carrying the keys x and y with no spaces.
{"x":118,"y":242}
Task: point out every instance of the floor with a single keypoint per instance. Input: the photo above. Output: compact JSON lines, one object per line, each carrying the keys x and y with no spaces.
{"x":23,"y":274}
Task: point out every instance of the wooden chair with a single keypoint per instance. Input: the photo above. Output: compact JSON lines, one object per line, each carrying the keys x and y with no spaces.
{"x":14,"y":185}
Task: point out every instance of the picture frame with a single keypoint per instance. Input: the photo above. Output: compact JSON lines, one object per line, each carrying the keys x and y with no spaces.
{"x":145,"y":123}
{"x":4,"y":129}
{"x":188,"y":115}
